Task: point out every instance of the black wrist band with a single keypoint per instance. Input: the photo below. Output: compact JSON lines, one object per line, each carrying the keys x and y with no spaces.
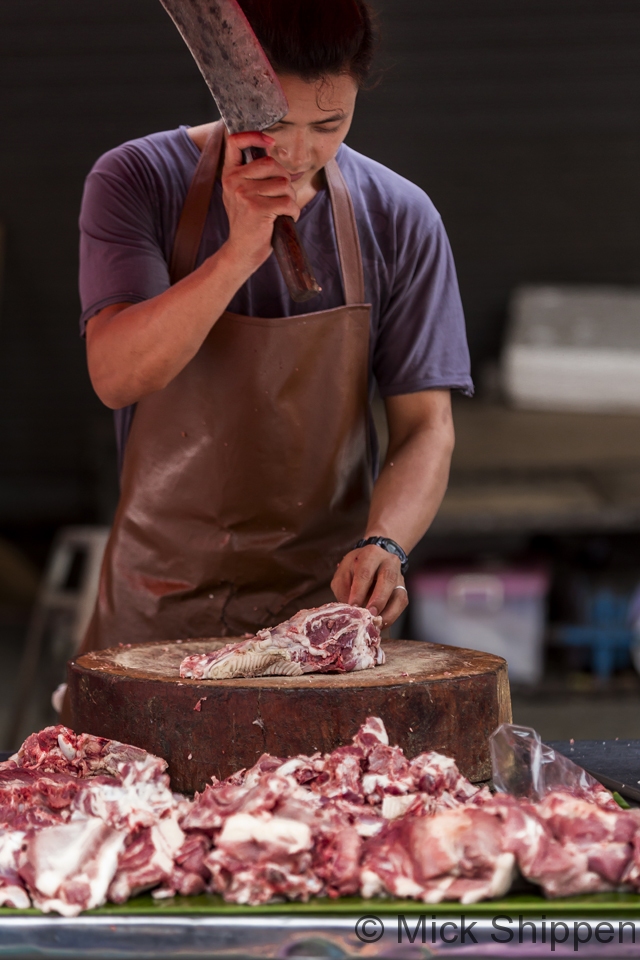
{"x":390,"y":546}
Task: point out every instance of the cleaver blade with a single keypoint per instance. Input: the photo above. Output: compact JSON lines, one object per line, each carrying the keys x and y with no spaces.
{"x":243,"y":83}
{"x":249,"y":97}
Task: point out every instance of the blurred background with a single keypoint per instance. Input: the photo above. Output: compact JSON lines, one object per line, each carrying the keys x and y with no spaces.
{"x":522,"y":122}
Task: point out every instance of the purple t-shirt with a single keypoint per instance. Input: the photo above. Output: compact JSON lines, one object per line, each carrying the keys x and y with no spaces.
{"x":130,"y":209}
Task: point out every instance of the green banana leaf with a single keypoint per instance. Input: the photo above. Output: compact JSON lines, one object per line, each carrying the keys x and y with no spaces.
{"x":601,"y":904}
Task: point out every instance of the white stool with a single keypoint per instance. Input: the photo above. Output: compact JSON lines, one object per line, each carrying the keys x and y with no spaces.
{"x":56,"y":596}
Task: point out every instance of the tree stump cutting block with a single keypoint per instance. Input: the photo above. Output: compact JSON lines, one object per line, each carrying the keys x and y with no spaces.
{"x":430,"y":697}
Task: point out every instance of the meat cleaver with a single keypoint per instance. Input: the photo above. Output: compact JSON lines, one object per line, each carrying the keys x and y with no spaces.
{"x":249,"y":97}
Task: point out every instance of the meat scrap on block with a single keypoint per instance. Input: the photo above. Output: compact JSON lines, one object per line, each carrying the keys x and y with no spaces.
{"x":334,"y":638}
{"x":84,"y":820}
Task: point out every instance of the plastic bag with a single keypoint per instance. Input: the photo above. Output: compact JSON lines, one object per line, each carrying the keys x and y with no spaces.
{"x":526,"y":767}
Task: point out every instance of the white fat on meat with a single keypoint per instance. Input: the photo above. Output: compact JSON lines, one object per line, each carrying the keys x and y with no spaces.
{"x":13,"y":894}
{"x":279,"y":836}
{"x":123,"y":804}
{"x":68,"y":868}
{"x":12,"y":889}
{"x":394,"y":807}
{"x":259,"y":858}
{"x":371,"y":734}
{"x":67,"y":749}
{"x":336,"y":637}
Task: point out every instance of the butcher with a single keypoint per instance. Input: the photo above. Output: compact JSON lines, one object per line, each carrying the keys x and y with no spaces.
{"x":249,"y":464}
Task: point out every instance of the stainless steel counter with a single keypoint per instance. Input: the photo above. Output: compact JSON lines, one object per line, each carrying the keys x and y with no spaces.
{"x":333,"y":938}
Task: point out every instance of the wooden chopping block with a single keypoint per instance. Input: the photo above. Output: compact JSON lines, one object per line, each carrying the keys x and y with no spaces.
{"x":430,"y":697}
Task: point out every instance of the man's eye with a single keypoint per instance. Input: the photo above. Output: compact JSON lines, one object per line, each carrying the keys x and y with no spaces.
{"x":325,"y":129}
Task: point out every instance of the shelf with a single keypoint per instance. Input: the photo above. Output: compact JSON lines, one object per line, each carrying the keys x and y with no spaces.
{"x":524,"y":471}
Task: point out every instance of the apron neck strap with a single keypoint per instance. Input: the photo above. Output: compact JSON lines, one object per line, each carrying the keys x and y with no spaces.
{"x":196,"y":207}
{"x":347,"y":238}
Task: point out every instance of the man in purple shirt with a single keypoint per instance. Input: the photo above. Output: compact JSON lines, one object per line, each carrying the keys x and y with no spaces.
{"x":242,"y":417}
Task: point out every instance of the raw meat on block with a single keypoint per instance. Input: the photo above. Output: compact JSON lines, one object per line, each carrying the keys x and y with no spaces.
{"x":334,"y":638}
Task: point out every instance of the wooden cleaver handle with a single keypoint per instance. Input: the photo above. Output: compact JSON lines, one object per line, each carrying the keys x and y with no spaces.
{"x":289,"y":252}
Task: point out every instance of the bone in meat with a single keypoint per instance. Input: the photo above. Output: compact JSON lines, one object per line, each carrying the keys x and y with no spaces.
{"x":334,"y":638}
{"x":58,"y":749}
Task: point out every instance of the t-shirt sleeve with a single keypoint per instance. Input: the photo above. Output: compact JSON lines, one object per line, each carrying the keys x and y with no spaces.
{"x":121,"y":257}
{"x":421,"y":342}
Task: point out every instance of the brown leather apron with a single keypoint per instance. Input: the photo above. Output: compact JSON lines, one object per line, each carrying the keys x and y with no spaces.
{"x":247,"y":478}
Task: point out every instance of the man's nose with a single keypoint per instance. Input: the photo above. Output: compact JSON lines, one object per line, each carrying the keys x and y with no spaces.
{"x":296,"y":150}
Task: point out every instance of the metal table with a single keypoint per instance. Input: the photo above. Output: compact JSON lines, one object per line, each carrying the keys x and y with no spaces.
{"x":588,"y":927}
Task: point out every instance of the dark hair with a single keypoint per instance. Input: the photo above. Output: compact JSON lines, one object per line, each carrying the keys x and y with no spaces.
{"x":314,"y":38}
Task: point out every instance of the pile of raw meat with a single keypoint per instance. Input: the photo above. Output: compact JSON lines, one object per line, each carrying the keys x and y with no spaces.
{"x":334,"y":638}
{"x":84,"y":820}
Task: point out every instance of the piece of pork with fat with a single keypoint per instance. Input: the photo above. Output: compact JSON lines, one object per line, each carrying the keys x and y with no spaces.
{"x":262,"y":857}
{"x":68,"y":868}
{"x":13,"y":892}
{"x":58,"y":749}
{"x":567,"y":845}
{"x":604,"y":834}
{"x":336,"y":637}
{"x":124,"y":803}
{"x":456,"y":855}
{"x":189,"y":875}
{"x":147,"y":859}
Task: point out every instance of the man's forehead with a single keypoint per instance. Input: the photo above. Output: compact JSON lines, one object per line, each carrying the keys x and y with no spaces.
{"x":316,"y":101}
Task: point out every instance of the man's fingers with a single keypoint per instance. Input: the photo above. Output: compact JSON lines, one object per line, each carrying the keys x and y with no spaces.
{"x":247,"y":190}
{"x":273,"y":187}
{"x":368,"y":561}
{"x":279,"y":207}
{"x":388,"y":577}
{"x":341,"y":583}
{"x":237,"y":142}
{"x":363,"y":577}
{"x":252,"y":203}
{"x":264,"y":168}
{"x":397,"y":603}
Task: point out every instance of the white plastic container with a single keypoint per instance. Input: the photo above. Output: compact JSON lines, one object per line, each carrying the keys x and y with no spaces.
{"x":500,"y":612}
{"x":573,"y":349}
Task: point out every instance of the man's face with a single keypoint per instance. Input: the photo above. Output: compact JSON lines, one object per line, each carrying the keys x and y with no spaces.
{"x":319,"y":117}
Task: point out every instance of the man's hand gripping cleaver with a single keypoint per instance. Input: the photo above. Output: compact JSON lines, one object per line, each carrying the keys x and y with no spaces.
{"x":249,"y":97}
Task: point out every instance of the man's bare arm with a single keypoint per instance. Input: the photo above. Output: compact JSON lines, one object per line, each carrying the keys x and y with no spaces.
{"x":406,"y":498}
{"x":135,"y":349}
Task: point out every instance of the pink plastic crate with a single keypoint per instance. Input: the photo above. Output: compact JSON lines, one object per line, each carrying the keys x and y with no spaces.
{"x":498,"y":611}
